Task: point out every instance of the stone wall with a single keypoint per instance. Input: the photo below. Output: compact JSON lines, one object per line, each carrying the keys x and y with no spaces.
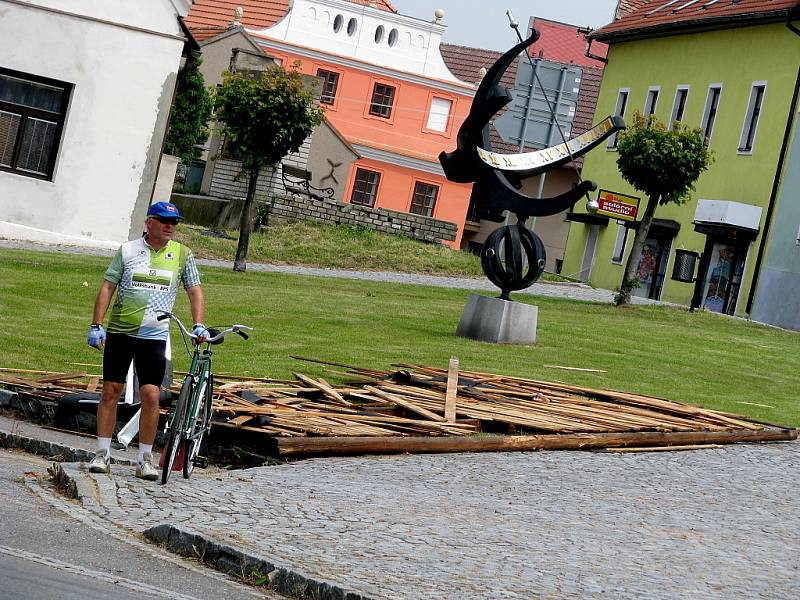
{"x":295,"y":207}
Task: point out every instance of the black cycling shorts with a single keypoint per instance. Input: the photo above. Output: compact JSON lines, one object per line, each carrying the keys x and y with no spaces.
{"x":150,"y":358}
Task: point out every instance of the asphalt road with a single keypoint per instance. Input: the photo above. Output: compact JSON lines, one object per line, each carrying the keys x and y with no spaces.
{"x":50,"y":547}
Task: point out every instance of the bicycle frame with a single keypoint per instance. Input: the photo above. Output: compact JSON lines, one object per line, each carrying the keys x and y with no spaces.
{"x":186,"y":426}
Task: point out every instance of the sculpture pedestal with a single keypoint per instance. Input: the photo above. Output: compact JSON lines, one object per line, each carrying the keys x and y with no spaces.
{"x":498,"y":321}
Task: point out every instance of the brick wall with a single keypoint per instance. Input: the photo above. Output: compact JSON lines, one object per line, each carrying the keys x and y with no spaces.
{"x":295,"y":207}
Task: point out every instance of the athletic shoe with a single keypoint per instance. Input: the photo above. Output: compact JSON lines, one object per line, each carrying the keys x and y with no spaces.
{"x":101,"y":463}
{"x":145,"y":468}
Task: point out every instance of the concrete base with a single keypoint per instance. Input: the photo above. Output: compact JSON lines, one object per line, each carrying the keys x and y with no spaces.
{"x":498,"y":321}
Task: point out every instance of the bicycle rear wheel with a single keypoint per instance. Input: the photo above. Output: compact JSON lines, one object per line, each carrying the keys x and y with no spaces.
{"x":177,"y":428}
{"x":197,"y":427}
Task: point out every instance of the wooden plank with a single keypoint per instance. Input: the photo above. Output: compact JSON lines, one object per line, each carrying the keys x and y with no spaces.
{"x":366,"y":445}
{"x":664,"y":448}
{"x":325,"y":388}
{"x":60,"y":377}
{"x":93,"y":383}
{"x":452,"y":390}
{"x":405,"y":404}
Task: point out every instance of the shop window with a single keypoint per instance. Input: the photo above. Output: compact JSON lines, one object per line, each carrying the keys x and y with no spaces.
{"x":32,"y":114}
{"x":365,"y":188}
{"x":679,"y":105}
{"x":382,"y":100}
{"x":751,"y":117}
{"x":619,"y":110}
{"x":330,"y":82}
{"x":424,"y":200}
{"x":439,"y":114}
{"x":710,"y":111}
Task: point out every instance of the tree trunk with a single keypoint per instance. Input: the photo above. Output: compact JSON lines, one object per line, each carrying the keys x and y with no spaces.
{"x":629,"y":277}
{"x":246,"y":224}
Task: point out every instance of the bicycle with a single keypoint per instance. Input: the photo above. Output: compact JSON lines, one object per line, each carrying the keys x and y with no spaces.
{"x":191,"y":419}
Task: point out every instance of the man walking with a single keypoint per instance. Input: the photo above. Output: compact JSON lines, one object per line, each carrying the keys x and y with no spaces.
{"x":146,"y":273}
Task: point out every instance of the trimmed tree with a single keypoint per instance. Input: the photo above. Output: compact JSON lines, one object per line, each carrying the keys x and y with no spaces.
{"x":662,"y":164}
{"x":191,"y":112}
{"x":264,"y":116}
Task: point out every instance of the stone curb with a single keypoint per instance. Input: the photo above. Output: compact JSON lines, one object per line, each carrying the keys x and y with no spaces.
{"x":79,"y":485}
{"x":58,"y":452}
{"x":241,"y":564}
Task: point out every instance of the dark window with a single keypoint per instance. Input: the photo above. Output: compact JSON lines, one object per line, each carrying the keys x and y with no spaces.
{"x":622,"y":104}
{"x":424,"y":200}
{"x":679,"y":107}
{"x":711,"y":114}
{"x":382,"y":100}
{"x":652,"y":101}
{"x":756,"y":99}
{"x":365,"y":189}
{"x":330,"y":81}
{"x":32,"y":113}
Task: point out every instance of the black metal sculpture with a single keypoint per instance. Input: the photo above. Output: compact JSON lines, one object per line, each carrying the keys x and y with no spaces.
{"x":513,"y":257}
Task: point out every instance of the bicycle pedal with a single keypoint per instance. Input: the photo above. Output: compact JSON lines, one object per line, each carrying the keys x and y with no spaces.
{"x":201,"y":462}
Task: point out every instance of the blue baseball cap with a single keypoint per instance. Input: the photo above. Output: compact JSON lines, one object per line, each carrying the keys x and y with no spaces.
{"x":164,"y":209}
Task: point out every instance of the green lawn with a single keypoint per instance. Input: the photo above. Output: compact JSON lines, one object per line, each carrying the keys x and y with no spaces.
{"x":313,"y":244}
{"x":722,"y":363}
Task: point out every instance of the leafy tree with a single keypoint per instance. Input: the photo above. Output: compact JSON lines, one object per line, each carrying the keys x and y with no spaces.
{"x":265,"y":116}
{"x":191,"y":112}
{"x":664,"y":165}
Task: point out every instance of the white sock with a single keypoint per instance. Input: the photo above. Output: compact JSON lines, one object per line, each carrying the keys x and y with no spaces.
{"x":144,"y":449}
{"x":104,"y":444}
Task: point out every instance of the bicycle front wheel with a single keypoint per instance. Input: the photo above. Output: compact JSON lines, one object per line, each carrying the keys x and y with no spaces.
{"x":199,"y":423}
{"x":177,"y":428}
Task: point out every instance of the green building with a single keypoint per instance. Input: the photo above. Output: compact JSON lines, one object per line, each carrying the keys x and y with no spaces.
{"x":732,"y":69}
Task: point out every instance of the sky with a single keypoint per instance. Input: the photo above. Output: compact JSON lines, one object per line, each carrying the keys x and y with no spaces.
{"x":484,"y":24}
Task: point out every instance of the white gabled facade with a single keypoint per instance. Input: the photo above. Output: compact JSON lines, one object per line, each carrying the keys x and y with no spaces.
{"x":366,"y":34}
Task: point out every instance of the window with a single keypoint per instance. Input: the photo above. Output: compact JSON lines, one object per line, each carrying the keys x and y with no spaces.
{"x":32,"y":113}
{"x":439,"y":114}
{"x":652,"y":101}
{"x":424,"y":200}
{"x":619,"y":111}
{"x":337,"y":23}
{"x":365,"y":188}
{"x":352,"y":25}
{"x":619,"y":243}
{"x":379,"y":33}
{"x":679,"y":106}
{"x":330,"y":81}
{"x":382,"y":100}
{"x":710,"y":112}
{"x":751,"y":116}
{"x":393,"y":37}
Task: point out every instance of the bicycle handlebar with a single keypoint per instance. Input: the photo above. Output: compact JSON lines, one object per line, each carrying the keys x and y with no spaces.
{"x":210,"y":340}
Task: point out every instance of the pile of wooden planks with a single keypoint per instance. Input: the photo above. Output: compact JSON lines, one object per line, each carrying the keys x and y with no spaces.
{"x":415,"y":408}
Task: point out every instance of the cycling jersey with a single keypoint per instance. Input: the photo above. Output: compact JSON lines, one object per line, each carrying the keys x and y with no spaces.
{"x":147,"y":282}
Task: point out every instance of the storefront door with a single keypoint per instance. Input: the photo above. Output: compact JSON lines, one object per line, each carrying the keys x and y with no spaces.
{"x":723,"y":278}
{"x":652,"y":267}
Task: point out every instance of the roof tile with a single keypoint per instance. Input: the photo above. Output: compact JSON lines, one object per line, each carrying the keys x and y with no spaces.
{"x":657,"y":16}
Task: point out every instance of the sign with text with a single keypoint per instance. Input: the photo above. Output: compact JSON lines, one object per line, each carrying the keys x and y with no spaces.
{"x":617,"y":206}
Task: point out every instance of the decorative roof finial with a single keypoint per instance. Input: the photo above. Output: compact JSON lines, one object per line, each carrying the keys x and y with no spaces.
{"x":439,"y":14}
{"x":482,"y":72}
{"x":237,"y":17}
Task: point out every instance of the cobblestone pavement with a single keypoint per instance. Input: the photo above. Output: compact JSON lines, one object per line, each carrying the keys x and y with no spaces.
{"x":718,"y":523}
{"x":553,"y":290}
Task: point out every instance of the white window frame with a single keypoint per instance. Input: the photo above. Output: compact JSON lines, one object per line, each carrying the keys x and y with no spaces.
{"x":620,"y":243}
{"x":749,"y":116}
{"x":707,"y":110}
{"x":675,"y":105}
{"x":439,"y":119}
{"x":654,"y":91}
{"x":619,"y":111}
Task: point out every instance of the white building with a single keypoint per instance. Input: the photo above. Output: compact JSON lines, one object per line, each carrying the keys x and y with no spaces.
{"x":85,"y":93}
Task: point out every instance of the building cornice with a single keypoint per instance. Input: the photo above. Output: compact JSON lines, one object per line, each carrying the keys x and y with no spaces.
{"x":345,"y":61}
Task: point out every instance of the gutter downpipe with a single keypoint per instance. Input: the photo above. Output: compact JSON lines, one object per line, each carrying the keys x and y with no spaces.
{"x":776,"y":181}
